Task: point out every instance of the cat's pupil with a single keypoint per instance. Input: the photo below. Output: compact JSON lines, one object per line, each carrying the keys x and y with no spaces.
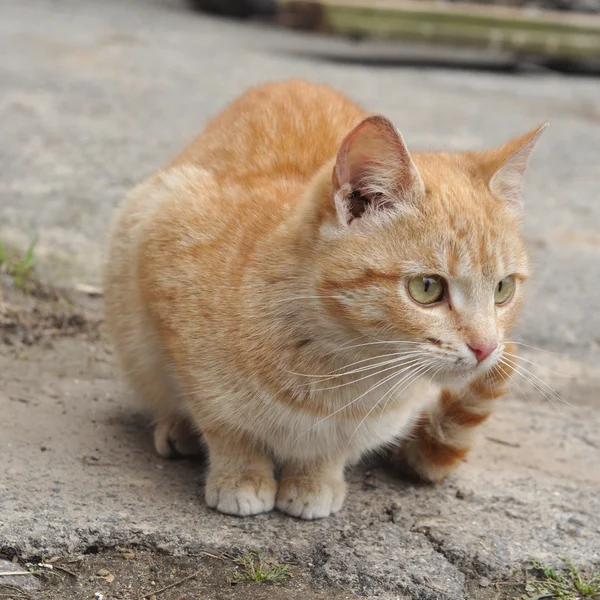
{"x":500,"y":286}
{"x":426,"y":284}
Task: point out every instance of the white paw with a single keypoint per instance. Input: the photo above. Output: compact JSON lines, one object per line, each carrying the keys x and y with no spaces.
{"x":308,"y":498}
{"x":241,"y":496}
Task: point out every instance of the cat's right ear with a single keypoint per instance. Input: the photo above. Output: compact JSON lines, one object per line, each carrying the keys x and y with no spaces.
{"x":373,"y":172}
{"x":506,"y":167}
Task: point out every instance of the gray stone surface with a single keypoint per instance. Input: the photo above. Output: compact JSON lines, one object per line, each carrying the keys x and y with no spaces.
{"x":20,"y":580}
{"x":94,"y":96}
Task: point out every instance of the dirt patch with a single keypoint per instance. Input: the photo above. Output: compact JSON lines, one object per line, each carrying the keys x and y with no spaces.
{"x":140,"y":574}
{"x":125,"y":573}
{"x":40,"y":314}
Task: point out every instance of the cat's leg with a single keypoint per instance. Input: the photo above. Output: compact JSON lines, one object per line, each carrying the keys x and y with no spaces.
{"x":240,"y":478}
{"x":444,"y":434}
{"x":146,"y":369}
{"x":174,"y":435}
{"x":147,"y":374}
{"x":312,"y":490}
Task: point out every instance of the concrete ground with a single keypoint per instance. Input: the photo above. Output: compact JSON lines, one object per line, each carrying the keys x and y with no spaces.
{"x":94,"y":95}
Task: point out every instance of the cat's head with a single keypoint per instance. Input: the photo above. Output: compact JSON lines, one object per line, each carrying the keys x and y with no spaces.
{"x":424,"y":250}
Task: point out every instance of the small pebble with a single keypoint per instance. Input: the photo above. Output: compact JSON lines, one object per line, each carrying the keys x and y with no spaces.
{"x":464,"y":494}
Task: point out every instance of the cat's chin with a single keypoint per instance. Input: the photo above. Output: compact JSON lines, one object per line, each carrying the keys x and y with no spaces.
{"x":453,"y":379}
{"x":457,"y":378}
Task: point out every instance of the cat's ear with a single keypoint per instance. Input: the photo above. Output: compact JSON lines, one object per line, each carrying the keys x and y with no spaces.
{"x":373,"y":171}
{"x":507,"y":168}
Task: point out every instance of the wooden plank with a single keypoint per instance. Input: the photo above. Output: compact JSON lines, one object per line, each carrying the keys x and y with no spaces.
{"x":519,"y":31}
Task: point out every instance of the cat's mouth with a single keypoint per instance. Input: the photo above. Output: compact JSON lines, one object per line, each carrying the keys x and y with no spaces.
{"x":460,"y":372}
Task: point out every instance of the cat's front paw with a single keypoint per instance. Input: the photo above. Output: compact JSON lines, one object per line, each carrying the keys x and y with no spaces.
{"x":310,"y":497}
{"x":250,"y":493}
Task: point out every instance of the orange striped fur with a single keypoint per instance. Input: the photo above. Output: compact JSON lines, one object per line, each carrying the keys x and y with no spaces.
{"x":258,"y":292}
{"x":444,"y":433}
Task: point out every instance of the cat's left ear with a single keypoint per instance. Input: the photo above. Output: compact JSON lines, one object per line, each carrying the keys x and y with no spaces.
{"x":507,"y":168}
{"x":373,"y":172}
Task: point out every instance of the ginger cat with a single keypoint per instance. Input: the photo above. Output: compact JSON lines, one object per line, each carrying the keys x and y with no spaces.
{"x":284,"y":280}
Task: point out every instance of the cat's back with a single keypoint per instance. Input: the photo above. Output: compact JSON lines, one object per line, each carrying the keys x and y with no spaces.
{"x":186,"y":234}
{"x":280,"y":130}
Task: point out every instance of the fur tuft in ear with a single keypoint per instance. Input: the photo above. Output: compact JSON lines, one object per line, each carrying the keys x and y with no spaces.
{"x":373,"y":171}
{"x":509,"y":163}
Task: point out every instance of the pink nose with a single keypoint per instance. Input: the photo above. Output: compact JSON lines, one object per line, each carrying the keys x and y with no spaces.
{"x":483,"y":350}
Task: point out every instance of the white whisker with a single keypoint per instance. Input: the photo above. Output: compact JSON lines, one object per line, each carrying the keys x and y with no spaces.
{"x":535,"y":364}
{"x":409,"y":377}
{"x":542,"y":383}
{"x":404,"y":353}
{"x":534,"y":348}
{"x":395,"y":342}
{"x":395,"y":391}
{"x":508,"y":381}
{"x":527,"y":375}
{"x":397,"y":362}
{"x":524,"y":376}
{"x":334,"y":373}
{"x":373,"y":387}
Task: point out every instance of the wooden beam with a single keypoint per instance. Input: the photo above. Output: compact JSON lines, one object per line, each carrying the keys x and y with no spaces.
{"x":519,"y":31}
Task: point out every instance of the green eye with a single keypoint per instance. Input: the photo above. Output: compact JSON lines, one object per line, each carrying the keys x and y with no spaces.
{"x":426,"y":289}
{"x":504,"y":290}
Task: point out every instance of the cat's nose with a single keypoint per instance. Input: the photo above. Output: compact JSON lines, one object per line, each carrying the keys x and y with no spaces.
{"x":482,"y":350}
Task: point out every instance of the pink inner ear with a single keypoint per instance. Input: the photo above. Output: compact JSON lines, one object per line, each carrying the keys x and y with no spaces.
{"x":372,"y":142}
{"x":507,"y":184}
{"x":507,"y":181}
{"x":373,"y":169}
